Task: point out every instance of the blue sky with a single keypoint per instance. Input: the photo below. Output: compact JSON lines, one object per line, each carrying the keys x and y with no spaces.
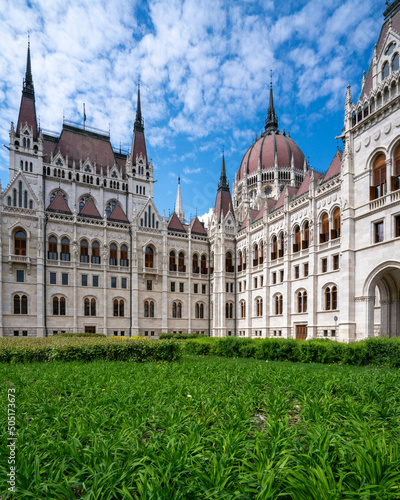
{"x":204,"y":67}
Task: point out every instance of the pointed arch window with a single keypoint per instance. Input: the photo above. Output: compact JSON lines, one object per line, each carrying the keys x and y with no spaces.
{"x":274,"y":248}
{"x":282,"y":245}
{"x":243,"y":309}
{"x":378,"y":187}
{"x":149,"y":309}
{"x":306,"y":242}
{"x":177,"y":310}
{"x":124,"y":262}
{"x":20,"y":243}
{"x":52,"y":254}
{"x":20,"y":304}
{"x":385,"y":70}
{"x":119,"y":307}
{"x":181,"y":262}
{"x":65,"y":250}
{"x":228,"y":263}
{"x":396,"y":178}
{"x":395,"y":62}
{"x":172,"y":261}
{"x":113,"y":254}
{"x":199,"y":310}
{"x":324,"y":236}
{"x":84,"y":252}
{"x":331,"y":298}
{"x":195,"y":262}
{"x":229,"y":310}
{"x":261,"y":253}
{"x":240,"y":266}
{"x":90,"y":307}
{"x":149,"y":257}
{"x":203,"y":264}
{"x":59,"y":306}
{"x":335,"y":232}
{"x":278,"y":304}
{"x":259,"y":307}
{"x":297,"y":240}
{"x":255,"y":255}
{"x":96,"y":252}
{"x":302,"y":302}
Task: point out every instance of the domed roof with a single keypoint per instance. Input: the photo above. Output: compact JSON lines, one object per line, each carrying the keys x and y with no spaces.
{"x":272,"y":143}
{"x":265,"y":149}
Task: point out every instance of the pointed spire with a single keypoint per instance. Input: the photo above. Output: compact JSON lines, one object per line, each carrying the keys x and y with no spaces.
{"x":223,"y":182}
{"x":271,"y":122}
{"x":139,"y":125}
{"x":28,"y":81}
{"x":178,"y":203}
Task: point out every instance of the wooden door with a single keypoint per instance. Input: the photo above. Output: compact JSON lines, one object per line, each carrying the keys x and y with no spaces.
{"x":301,"y":332}
{"x":90,"y":329}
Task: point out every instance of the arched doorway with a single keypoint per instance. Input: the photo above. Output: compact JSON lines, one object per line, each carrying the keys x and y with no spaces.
{"x":382,"y":289}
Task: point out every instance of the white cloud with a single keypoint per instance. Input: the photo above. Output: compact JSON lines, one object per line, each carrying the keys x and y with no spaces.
{"x":206,"y":217}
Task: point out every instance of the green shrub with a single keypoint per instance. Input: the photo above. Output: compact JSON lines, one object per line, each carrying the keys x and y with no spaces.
{"x":182,"y":336}
{"x":78,"y":335}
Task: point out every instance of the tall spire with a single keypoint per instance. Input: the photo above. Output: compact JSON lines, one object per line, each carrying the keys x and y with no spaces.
{"x":139,"y":125}
{"x":28,"y":81}
{"x":271,"y":123}
{"x":223,"y":182}
{"x":178,"y":203}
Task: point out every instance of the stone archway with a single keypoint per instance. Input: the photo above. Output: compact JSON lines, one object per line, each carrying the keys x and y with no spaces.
{"x":382,"y":288}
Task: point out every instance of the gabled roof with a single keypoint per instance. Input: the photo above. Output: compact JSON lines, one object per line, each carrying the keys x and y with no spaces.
{"x":197,"y":227}
{"x":244,"y":223}
{"x":291,"y":192}
{"x":90,"y":210}
{"x":174,"y":224}
{"x":27,"y":114}
{"x":335,"y":166}
{"x":223,"y":204}
{"x":305,"y":185}
{"x":59,"y":204}
{"x":118,"y":214}
{"x":260,"y":213}
{"x":270,"y":203}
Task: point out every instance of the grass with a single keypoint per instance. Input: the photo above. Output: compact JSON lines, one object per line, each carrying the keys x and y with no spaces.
{"x":250,"y":430}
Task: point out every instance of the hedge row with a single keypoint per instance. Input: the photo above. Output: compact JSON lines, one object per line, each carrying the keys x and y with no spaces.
{"x":78,"y":335}
{"x":182,"y":336}
{"x":87,"y":349}
{"x":377,"y":351}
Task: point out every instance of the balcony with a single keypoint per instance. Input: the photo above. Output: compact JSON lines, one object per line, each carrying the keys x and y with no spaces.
{"x":182,"y":269}
{"x":335,"y":233}
{"x":195,"y":270}
{"x":229,"y":269}
{"x":21,"y":259}
{"x":204,"y":270}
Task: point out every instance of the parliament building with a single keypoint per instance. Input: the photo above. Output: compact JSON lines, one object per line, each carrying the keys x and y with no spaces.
{"x":288,"y":252}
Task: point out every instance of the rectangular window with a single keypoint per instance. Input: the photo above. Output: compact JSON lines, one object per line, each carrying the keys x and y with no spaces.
{"x":244,"y":285}
{"x":84,"y":279}
{"x":123,"y":282}
{"x":296,"y":272}
{"x":113,"y":282}
{"x":149,"y":285}
{"x":261,"y":281}
{"x":146,"y":333}
{"x":53,"y":278}
{"x":336,"y":262}
{"x":95,"y":281}
{"x":122,"y":333}
{"x":64,"y":279}
{"x":274,"y":278}
{"x":255,"y":282}
{"x":281,"y":274}
{"x":203,"y":289}
{"x":16,"y":333}
{"x":195,"y":288}
{"x":240,"y":286}
{"x":325,"y":333}
{"x":324,"y":265}
{"x":152,"y":334}
{"x":24,"y":333}
{"x":172,"y":286}
{"x":227,"y":287}
{"x":181,"y":287}
{"x":333,"y":333}
{"x":378,"y":232}
{"x":397,"y":226}
{"x":115,"y":333}
{"x":20,"y":276}
{"x":305,"y":270}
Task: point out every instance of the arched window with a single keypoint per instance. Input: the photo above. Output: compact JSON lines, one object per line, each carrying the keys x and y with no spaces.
{"x":52,"y":254}
{"x":181,"y":262}
{"x":229,"y":310}
{"x":378,"y":187}
{"x":110,"y":207}
{"x":195,"y":262}
{"x":328,"y":299}
{"x":297,"y":239}
{"x":149,"y":257}
{"x":95,"y":252}
{"x":395,"y":62}
{"x":385,"y":70}
{"x":278,"y":304}
{"x":306,"y":241}
{"x":14,"y":197}
{"x":20,"y":243}
{"x":149,"y":309}
{"x":335,"y":232}
{"x":324,"y":236}
{"x":259,"y":307}
{"x":396,"y":170}
{"x":84,"y":247}
{"x":176,"y":310}
{"x":199,"y":311}
{"x":228,"y":262}
{"x":113,"y":254}
{"x":58,"y":306}
{"x":25,"y":199}
{"x":255,"y":255}
{"x":282,"y":245}
{"x":334,"y":297}
{"x":274,"y":248}
{"x":124,"y":256}
{"x":240,"y":259}
{"x":118,"y":307}
{"x":242,"y":309}
{"x":172,"y":262}
{"x":302,"y":302}
{"x":20,"y":304}
{"x":9,"y":201}
{"x":65,"y":252}
{"x":92,"y":307}
{"x":20,"y":194}
{"x":203,"y":264}
{"x":261,"y":253}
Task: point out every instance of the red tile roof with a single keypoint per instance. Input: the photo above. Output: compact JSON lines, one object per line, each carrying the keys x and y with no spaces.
{"x":90,"y":210}
{"x":244,"y":223}
{"x":223,"y":204}
{"x":59,"y":204}
{"x":118,"y":214}
{"x":197,"y":227}
{"x":270,"y":203}
{"x":174,"y":224}
{"x":260,"y":213}
{"x":335,"y":166}
{"x":27,"y":114}
{"x":138,"y":146}
{"x":305,"y":185}
{"x":291,"y":192}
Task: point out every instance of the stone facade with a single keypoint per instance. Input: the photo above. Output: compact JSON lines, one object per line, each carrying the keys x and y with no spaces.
{"x":292,"y":253}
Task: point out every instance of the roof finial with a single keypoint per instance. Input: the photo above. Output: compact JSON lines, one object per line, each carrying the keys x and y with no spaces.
{"x":223,"y":182}
{"x":139,"y":119}
{"x":28,"y":81}
{"x":271,"y":123}
{"x":178,"y":203}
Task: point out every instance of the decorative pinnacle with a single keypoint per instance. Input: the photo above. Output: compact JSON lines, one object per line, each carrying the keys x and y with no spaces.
{"x":139,"y":119}
{"x":28,"y":81}
{"x":223,"y":182}
{"x":271,"y":122}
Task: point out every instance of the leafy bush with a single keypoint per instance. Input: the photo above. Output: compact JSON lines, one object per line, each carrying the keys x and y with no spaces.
{"x":82,"y":334}
{"x":88,"y":349}
{"x":182,"y":336}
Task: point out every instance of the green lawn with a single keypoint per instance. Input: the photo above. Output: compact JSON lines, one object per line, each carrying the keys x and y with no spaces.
{"x":251,"y":430}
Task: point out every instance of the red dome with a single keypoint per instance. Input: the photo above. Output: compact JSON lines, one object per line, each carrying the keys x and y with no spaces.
{"x":264,"y":149}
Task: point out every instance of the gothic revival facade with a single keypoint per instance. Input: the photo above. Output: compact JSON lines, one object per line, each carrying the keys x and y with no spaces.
{"x":292,"y":253}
